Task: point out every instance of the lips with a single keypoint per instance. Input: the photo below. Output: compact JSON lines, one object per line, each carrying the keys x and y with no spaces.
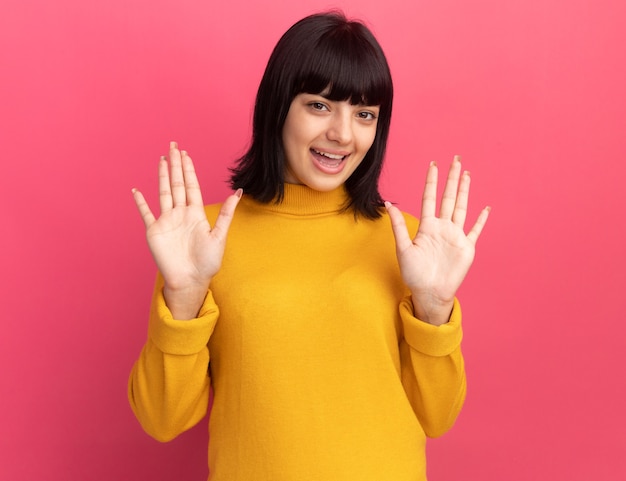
{"x":329,"y":155}
{"x":328,"y":162}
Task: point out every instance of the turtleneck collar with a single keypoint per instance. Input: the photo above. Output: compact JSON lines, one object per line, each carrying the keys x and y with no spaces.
{"x":302,"y":200}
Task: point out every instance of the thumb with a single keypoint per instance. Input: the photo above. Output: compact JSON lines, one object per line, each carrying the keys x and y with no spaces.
{"x":398,"y":225}
{"x":224,"y":218}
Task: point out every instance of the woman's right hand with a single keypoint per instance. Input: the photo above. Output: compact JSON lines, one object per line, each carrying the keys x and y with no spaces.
{"x":187,"y":251}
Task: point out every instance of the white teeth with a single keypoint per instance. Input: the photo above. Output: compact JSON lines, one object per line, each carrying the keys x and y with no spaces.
{"x":330,"y":156}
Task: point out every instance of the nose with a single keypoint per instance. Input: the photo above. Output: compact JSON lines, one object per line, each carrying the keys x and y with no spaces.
{"x":340,"y":127}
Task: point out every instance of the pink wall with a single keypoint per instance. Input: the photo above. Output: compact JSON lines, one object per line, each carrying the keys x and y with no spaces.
{"x":530,"y":92}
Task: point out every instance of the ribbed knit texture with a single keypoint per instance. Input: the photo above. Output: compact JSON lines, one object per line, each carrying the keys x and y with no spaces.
{"x":320,"y":371}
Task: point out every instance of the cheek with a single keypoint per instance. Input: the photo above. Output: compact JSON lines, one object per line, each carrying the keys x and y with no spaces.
{"x":292,"y":146}
{"x":290,"y":143}
{"x":288,"y":139}
{"x":366,"y":140}
{"x":291,"y":134}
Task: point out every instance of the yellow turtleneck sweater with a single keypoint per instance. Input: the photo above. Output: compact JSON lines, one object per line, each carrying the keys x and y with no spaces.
{"x":319,"y":369}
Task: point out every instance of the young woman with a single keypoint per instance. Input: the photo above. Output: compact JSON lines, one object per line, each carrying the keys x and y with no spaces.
{"x":323,"y":318}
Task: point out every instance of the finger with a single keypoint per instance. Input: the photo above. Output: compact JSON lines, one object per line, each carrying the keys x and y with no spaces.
{"x":448,"y":200}
{"x":224,"y":218}
{"x":474,"y":233}
{"x":192,"y":186}
{"x":177,"y":180}
{"x":398,"y":225}
{"x":144,"y":209}
{"x":460,"y":208}
{"x":429,"y":197}
{"x":165,"y":190}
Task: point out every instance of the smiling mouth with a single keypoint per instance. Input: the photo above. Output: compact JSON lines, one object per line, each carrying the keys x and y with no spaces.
{"x":330,"y":160}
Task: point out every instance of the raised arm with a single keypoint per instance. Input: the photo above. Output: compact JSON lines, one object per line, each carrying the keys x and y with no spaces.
{"x":168,"y":388}
{"x":434,"y":264}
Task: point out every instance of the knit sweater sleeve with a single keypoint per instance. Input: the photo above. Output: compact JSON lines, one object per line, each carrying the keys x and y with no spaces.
{"x":168,"y":388}
{"x":433,"y":372}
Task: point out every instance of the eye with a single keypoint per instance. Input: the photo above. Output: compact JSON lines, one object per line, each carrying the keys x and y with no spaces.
{"x":366,"y":115}
{"x":318,"y":106}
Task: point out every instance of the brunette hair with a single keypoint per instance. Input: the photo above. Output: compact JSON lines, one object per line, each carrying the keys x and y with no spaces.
{"x":320,"y":53}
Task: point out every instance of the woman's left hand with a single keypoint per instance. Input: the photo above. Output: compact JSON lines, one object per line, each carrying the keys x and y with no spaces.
{"x":436,"y":261}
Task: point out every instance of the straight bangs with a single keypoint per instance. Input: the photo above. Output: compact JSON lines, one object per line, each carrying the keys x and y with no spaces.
{"x":346,"y":67}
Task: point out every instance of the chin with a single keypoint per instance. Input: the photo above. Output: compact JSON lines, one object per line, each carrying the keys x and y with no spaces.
{"x":326,"y":185}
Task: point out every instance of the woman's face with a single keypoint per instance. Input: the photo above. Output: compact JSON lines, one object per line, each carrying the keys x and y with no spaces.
{"x":326,"y":140}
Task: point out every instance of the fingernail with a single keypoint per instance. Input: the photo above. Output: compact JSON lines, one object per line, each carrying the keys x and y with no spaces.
{"x":457,"y":158}
{"x":239,"y":193}
{"x":173,"y":145}
{"x":387,"y":204}
{"x":163,"y":158}
{"x":183,"y":152}
{"x":433,"y":163}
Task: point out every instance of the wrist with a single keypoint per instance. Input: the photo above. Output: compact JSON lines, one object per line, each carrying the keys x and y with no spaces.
{"x":434,"y":313}
{"x":185,"y":303}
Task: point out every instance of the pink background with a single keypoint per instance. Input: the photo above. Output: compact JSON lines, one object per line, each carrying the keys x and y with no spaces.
{"x":530,"y":92}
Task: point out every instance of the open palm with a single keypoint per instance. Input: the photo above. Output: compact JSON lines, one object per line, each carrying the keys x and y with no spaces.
{"x":436,"y":261}
{"x":187,"y":251}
